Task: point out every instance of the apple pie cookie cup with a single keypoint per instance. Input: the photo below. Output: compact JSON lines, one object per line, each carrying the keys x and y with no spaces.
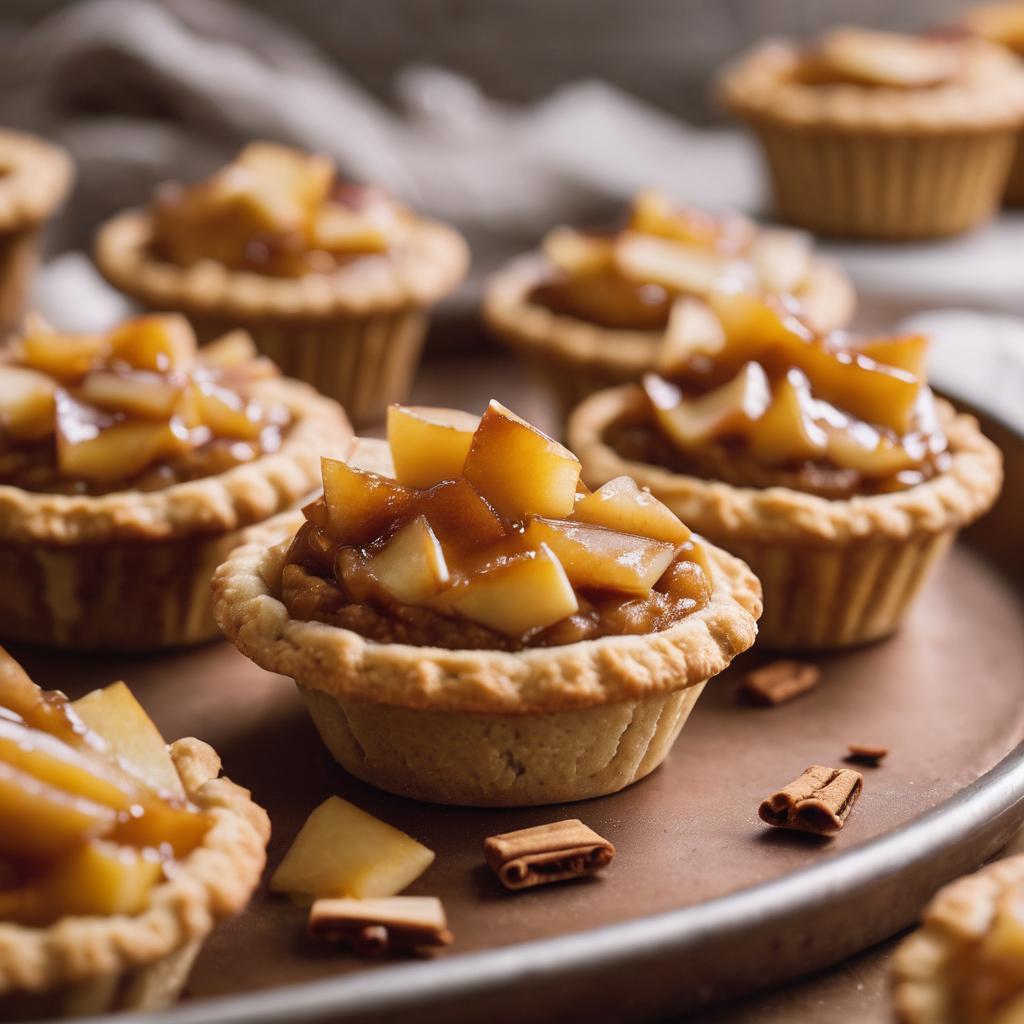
{"x":355,"y":334}
{"x":90,"y":965}
{"x":835,"y":573}
{"x":484,"y":727}
{"x":131,"y":570}
{"x":34,"y":178}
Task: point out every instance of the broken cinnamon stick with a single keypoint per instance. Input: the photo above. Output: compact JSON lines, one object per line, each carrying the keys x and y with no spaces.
{"x":372,"y":927}
{"x":547,"y":853}
{"x":819,"y":801}
{"x":779,"y":682}
{"x":870,"y":753}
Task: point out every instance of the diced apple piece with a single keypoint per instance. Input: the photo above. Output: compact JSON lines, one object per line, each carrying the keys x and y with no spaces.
{"x":42,"y":822}
{"x":337,"y":228}
{"x":429,"y":445}
{"x":163,"y":822}
{"x":228,"y":352}
{"x":226,"y":413}
{"x":371,"y":454}
{"x":754,"y":323}
{"x":694,"y":551}
{"x":887,"y":58}
{"x":27,"y":407}
{"x":787,"y":431}
{"x":577,"y":253}
{"x":525,"y":593}
{"x":459,"y":515}
{"x":519,"y":470}
{"x":871,"y":453}
{"x":63,"y":356}
{"x":653,"y":213}
{"x":621,"y":505}
{"x":305,"y":177}
{"x":137,"y":393}
{"x":361,"y":505}
{"x":97,"y":879}
{"x":602,"y":559}
{"x":726,"y":411}
{"x":782,"y":259}
{"x":679,"y":268}
{"x":131,"y":736}
{"x":693,"y":331}
{"x":159,"y":342}
{"x":343,"y":851}
{"x":411,"y":566}
{"x":907,"y":352}
{"x":37,"y":708}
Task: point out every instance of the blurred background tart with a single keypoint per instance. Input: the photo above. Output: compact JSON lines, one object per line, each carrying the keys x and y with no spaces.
{"x":130,"y":464}
{"x":333,"y":280}
{"x":824,"y":461}
{"x":591,"y":308}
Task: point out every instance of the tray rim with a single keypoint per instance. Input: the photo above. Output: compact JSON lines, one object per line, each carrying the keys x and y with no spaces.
{"x":982,"y":807}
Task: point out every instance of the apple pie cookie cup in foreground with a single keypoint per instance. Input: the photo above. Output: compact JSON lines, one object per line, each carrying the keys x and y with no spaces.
{"x":480,"y":727}
{"x":35,"y":178}
{"x":81,"y":966}
{"x":835,"y":572}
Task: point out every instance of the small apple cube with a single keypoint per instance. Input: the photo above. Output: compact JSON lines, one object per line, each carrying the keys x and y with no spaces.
{"x":161,"y":342}
{"x":226,"y":413}
{"x":63,"y":356}
{"x":579,"y":254}
{"x":304,"y":177}
{"x":602,"y":559}
{"x":908,"y":352}
{"x":361,"y":505}
{"x":134,"y":392}
{"x":34,"y":706}
{"x":693,"y":331}
{"x":27,"y":404}
{"x":621,"y":505}
{"x":653,"y":213}
{"x":131,"y":736}
{"x":787,"y":430}
{"x":163,"y":823}
{"x":519,"y":470}
{"x":680,"y":269}
{"x":338,"y":228}
{"x":782,"y":259}
{"x":429,"y":445}
{"x":459,"y":515}
{"x":411,"y":566}
{"x":868,"y":451}
{"x":726,"y":411}
{"x":229,"y":352}
{"x":526,"y":593}
{"x":343,"y":851}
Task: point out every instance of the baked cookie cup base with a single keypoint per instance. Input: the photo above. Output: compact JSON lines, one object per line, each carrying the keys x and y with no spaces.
{"x":501,"y":760}
{"x":886,"y":185}
{"x":364,"y":362}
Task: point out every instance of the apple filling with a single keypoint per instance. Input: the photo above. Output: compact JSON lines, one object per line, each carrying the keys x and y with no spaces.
{"x":94,"y":812}
{"x":140,"y":407}
{"x":484,"y":537}
{"x":274,"y":211}
{"x":749,"y":395}
{"x":629,"y":279}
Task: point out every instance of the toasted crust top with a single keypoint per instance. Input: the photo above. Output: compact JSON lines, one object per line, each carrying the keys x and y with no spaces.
{"x":36,"y":179}
{"x":422,"y":269}
{"x":244,"y":494}
{"x":211,"y":883}
{"x":952,"y":499}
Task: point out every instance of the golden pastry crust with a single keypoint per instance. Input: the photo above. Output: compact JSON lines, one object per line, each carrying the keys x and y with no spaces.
{"x":827,"y":296}
{"x":245,"y":494}
{"x":37,"y":176}
{"x":213,"y":882}
{"x":988,"y":94}
{"x":419,"y":271}
{"x":958,"y":916}
{"x":346,"y":665}
{"x":949,"y":500}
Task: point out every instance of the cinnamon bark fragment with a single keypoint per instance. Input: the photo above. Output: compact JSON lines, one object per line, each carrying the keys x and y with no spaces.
{"x":869,"y":753}
{"x":547,"y":853}
{"x":819,"y":801}
{"x":373,"y":927}
{"x":779,"y":682}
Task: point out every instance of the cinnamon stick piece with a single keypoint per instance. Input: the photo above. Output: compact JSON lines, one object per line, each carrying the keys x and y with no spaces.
{"x":779,"y":682}
{"x":819,"y":801}
{"x":372,"y":927}
{"x":872,"y":753}
{"x":547,"y":853}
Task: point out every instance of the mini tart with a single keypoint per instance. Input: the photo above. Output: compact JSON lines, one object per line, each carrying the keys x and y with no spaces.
{"x":130,"y":570}
{"x":34,"y":178}
{"x":577,"y":358}
{"x":82,"y":966}
{"x":962,"y":966}
{"x":355,"y":333}
{"x":835,"y":572}
{"x":882,"y":161}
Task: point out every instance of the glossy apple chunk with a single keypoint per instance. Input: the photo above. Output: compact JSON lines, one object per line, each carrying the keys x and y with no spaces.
{"x":782,"y":260}
{"x":63,"y":356}
{"x":527,"y":592}
{"x":27,"y":404}
{"x":869,"y":452}
{"x":304,"y":177}
{"x":336,"y":228}
{"x":134,"y":392}
{"x":37,"y":708}
{"x":520,"y":470}
{"x":907,"y":352}
{"x":227,"y":413}
{"x":621,"y":505}
{"x":411,"y":566}
{"x":96,"y":879}
{"x":228,"y":352}
{"x":594,"y":557}
{"x":459,"y":515}
{"x":343,"y":851}
{"x":161,"y":824}
{"x":429,"y":445}
{"x":160,"y":342}
{"x":693,"y":332}
{"x":115,"y":715}
{"x":787,"y":430}
{"x":653,"y":213}
{"x":361,"y":505}
{"x":579,"y":254}
{"x":682,"y":270}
